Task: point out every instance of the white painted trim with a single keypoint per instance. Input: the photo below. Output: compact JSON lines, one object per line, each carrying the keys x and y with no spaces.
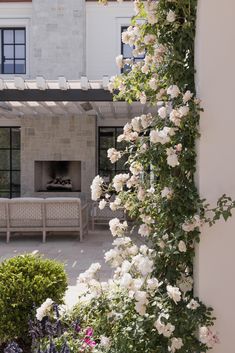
{"x":19,"y":22}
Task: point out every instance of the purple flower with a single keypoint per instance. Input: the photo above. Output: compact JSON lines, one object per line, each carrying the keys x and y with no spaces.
{"x":89,"y":332}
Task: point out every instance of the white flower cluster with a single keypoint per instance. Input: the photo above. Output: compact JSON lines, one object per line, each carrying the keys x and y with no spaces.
{"x":119,"y":181}
{"x":208,"y":337}
{"x":113,"y":155}
{"x":44,"y":309}
{"x":96,"y":188}
{"x":117,"y":228}
{"x":192,"y":224}
{"x":162,"y":136}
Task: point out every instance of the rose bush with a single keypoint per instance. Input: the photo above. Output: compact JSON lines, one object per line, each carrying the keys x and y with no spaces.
{"x":149,"y":305}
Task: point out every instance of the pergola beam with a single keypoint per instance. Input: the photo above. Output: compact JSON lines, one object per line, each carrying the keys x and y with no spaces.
{"x":56,"y":95}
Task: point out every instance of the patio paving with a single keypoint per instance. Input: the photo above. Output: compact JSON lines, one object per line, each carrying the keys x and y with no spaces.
{"x":77,"y":256}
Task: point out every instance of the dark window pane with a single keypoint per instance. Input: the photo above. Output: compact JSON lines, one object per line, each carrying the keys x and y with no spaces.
{"x":16,"y":194}
{"x":4,"y":160}
{"x":4,"y":138}
{"x":8,"y":51}
{"x":107,"y":137}
{"x":19,"y":36}
{"x":5,"y":195}
{"x":20,"y":66}
{"x":4,"y":181}
{"x":15,"y":133}
{"x":8,"y":67}
{"x":16,"y":159}
{"x":19,"y":51}
{"x":8,"y":36}
{"x":16,"y":181}
{"x":105,"y":163}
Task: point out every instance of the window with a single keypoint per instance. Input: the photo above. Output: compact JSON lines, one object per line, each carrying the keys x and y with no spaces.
{"x":108,"y":139}
{"x":12,"y":51}
{"x":9,"y":162}
{"x":126,"y":51}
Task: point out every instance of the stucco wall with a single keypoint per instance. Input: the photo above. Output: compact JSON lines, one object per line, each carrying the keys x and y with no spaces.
{"x":215,"y":58}
{"x":103,"y":36}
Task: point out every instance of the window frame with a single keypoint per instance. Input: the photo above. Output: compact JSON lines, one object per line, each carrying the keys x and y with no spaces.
{"x":114,"y":170}
{"x":14,"y":44}
{"x":139,"y":58}
{"x":11,"y":170}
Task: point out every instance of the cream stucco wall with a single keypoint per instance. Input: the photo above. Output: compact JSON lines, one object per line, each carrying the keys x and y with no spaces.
{"x":215,"y":63}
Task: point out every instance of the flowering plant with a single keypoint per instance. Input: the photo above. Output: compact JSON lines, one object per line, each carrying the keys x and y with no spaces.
{"x":149,"y":304}
{"x":52,"y":332}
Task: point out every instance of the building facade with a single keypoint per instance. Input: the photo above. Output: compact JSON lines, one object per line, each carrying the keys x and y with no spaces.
{"x":57,"y":147}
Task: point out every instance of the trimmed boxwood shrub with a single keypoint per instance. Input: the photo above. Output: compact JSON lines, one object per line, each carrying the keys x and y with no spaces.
{"x":27,"y":281}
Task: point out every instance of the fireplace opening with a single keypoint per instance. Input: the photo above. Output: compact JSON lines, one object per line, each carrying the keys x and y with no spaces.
{"x":58,"y":176}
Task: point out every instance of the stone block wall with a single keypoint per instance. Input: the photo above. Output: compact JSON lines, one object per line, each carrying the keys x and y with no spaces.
{"x":57,"y":39}
{"x":57,"y":138}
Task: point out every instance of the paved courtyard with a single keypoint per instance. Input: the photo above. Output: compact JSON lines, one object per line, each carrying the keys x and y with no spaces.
{"x":77,"y":256}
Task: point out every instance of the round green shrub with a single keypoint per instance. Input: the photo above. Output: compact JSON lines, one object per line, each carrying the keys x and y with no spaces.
{"x":25,"y":281}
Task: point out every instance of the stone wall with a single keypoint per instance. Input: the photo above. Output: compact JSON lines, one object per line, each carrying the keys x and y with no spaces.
{"x":57,"y":138}
{"x":57,"y":39}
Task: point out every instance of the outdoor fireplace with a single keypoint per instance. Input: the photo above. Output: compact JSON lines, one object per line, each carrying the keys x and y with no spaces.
{"x":56,"y":176}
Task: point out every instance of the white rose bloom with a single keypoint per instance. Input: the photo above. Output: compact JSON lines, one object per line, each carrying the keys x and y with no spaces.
{"x":133,"y":250}
{"x":96,"y":188}
{"x":150,"y":39}
{"x":183,"y":111}
{"x":141,"y":194}
{"x":153,"y":83}
{"x":136,"y":123}
{"x":117,"y":228}
{"x":144,"y":230}
{"x":172,"y":159}
{"x":119,"y":61}
{"x":162,"y":112}
{"x":113,"y":256}
{"x":126,"y":281}
{"x":126,"y":266}
{"x":146,"y":120}
{"x":175,"y":117}
{"x":176,"y":344}
{"x":136,"y":168}
{"x":151,"y":18}
{"x":143,"y":98}
{"x":171,"y":16}
{"x":193,"y":304}
{"x":113,"y":155}
{"x":187,"y":96}
{"x":105,"y":341}
{"x":140,"y":308}
{"x":44,"y":309}
{"x":134,"y":180}
{"x":185,"y":283}
{"x":165,"y":330}
{"x":153,"y":284}
{"x":102,"y":204}
{"x":119,"y":181}
{"x":161,"y":136}
{"x":174,"y":293}
{"x":141,"y":296}
{"x":182,"y":246}
{"x":206,"y":336}
{"x":145,"y":69}
{"x":173,"y":91}
{"x":167,"y":192}
{"x":143,"y":264}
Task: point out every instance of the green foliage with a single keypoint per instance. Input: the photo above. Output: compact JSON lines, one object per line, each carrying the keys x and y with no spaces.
{"x":25,"y":281}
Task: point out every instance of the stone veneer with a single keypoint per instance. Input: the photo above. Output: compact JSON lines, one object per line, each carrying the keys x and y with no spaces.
{"x":44,"y":138}
{"x":58,"y":39}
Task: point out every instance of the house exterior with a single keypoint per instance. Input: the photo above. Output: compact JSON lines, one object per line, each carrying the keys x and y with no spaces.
{"x":72,"y":119}
{"x":57,"y":49}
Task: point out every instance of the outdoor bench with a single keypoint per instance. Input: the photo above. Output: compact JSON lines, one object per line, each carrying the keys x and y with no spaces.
{"x":43,"y":215}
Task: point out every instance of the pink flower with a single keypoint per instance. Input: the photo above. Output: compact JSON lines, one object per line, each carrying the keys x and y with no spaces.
{"x":89,"y":332}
